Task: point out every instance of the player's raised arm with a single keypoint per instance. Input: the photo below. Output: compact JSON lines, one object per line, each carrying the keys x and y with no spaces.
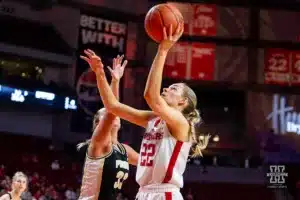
{"x":111,"y":103}
{"x":177,"y":123}
{"x":100,"y":143}
{"x":116,"y":74}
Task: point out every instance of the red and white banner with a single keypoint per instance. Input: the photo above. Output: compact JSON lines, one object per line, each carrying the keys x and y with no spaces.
{"x":204,"y":21}
{"x":186,"y":10}
{"x":203,"y":61}
{"x":176,"y":63}
{"x":199,"y":19}
{"x":195,"y":61}
{"x":295,"y":68}
{"x":282,"y":67}
{"x":277,"y":66}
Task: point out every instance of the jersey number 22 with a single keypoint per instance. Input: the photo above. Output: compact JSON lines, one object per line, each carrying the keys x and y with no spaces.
{"x":147,"y":154}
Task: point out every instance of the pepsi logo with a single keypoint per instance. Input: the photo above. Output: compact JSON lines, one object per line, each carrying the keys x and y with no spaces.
{"x":87,"y":92}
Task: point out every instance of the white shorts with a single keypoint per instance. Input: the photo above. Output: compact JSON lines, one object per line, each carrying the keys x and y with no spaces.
{"x":159,"y":192}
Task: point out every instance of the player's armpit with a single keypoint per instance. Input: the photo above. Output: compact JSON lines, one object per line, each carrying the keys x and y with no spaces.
{"x":133,"y":156}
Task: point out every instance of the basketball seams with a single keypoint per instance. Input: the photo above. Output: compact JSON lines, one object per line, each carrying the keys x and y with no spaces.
{"x":167,"y":15}
{"x":161,"y":18}
{"x":162,"y":22}
{"x":178,"y":22}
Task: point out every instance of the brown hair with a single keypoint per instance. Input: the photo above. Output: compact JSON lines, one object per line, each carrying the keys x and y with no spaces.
{"x":193,"y":117}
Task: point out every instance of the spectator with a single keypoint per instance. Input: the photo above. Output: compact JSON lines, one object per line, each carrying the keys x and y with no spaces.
{"x":18,"y":186}
{"x":55,"y":165}
{"x":70,"y":194}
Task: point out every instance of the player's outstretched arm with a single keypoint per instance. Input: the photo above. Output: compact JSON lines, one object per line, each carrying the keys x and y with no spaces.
{"x":100,"y":143}
{"x":138,"y":117}
{"x":173,"y":117}
{"x":101,"y":139}
{"x":117,"y":73}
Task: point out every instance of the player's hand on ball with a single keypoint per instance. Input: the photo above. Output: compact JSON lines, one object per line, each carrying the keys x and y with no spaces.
{"x":169,"y":38}
{"x":93,"y":60}
{"x":118,"y":68}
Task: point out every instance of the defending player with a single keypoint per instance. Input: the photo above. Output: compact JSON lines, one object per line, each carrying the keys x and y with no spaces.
{"x":106,"y":166}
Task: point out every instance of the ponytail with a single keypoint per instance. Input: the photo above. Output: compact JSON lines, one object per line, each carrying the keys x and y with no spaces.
{"x":200,"y":145}
{"x":82,"y":144}
{"x":193,"y":119}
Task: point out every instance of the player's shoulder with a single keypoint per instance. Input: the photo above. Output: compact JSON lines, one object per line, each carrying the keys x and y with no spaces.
{"x":153,"y":121}
{"x":119,"y":147}
{"x":6,"y":196}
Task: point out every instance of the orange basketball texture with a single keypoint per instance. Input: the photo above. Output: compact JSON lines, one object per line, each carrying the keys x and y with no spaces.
{"x":159,"y":16}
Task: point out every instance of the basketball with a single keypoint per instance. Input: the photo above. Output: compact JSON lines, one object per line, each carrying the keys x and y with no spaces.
{"x":159,"y":16}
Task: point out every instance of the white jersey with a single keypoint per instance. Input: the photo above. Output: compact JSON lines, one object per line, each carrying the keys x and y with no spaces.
{"x":162,"y":158}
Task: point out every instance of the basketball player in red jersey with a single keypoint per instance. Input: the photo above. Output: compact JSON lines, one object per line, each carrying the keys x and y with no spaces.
{"x":170,"y":126}
{"x":106,"y":165}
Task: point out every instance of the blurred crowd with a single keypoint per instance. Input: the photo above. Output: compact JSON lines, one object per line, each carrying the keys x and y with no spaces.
{"x":40,"y":188}
{"x":55,"y":174}
{"x":52,"y":174}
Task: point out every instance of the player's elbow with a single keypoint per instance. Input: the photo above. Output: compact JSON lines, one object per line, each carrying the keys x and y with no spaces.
{"x":147,"y":95}
{"x":112,"y":107}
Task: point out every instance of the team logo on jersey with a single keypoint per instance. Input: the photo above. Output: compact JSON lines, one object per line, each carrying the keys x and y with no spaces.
{"x":153,"y":136}
{"x":156,"y":132}
{"x":87,"y":92}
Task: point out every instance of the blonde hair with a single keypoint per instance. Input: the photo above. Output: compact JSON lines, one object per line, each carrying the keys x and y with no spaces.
{"x":193,"y":117}
{"x":20,"y":174}
{"x":200,"y":144}
{"x":96,"y":120}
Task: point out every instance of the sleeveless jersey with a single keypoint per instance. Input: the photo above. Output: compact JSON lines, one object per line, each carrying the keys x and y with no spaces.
{"x":103,"y":177}
{"x":162,"y":158}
